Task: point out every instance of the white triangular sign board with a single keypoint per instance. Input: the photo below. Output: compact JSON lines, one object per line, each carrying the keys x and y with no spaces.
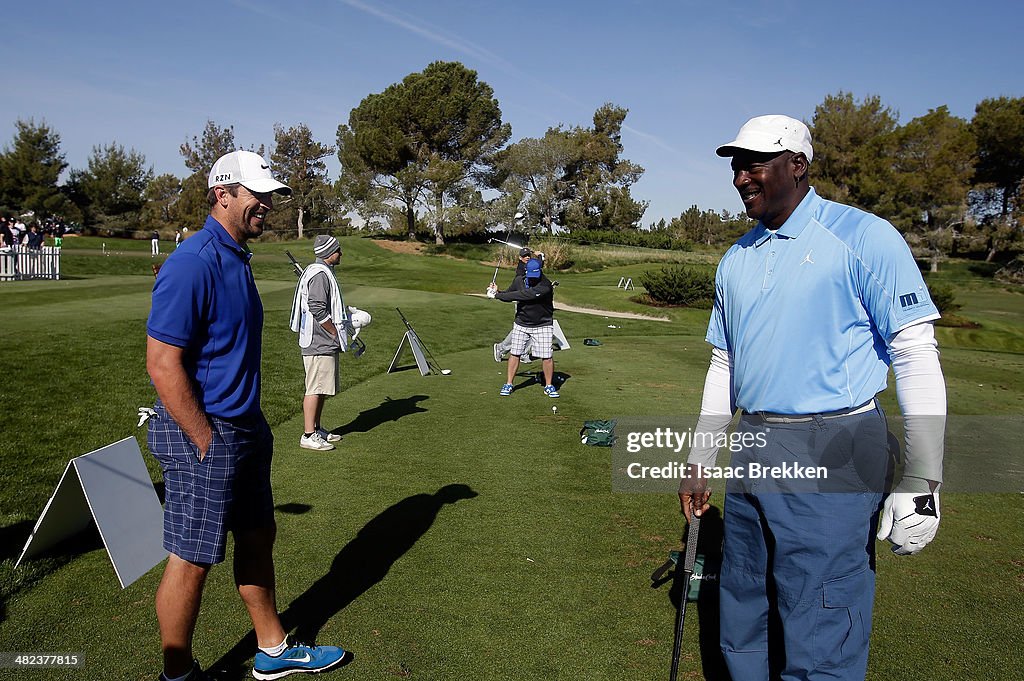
{"x":412,"y":340}
{"x":112,"y":487}
{"x":563,"y":342}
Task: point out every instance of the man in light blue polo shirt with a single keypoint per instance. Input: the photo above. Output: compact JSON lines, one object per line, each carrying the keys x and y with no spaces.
{"x":812,"y":306}
{"x":208,"y":433}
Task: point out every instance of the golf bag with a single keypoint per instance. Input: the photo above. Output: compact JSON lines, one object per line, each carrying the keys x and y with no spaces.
{"x":598,"y":433}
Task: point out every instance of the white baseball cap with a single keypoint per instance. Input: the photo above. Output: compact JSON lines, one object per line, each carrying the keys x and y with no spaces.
{"x":248,"y":169}
{"x":771,"y":133}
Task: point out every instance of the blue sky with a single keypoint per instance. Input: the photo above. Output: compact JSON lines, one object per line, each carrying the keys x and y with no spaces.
{"x":149,"y":75}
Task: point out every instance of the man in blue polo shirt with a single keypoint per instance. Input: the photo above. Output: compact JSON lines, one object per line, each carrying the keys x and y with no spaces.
{"x":208,"y":433}
{"x":812,"y":306}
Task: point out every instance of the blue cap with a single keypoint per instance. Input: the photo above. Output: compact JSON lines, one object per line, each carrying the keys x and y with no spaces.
{"x":533,"y":269}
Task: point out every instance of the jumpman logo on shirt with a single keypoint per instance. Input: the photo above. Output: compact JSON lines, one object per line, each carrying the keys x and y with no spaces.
{"x":807,"y":258}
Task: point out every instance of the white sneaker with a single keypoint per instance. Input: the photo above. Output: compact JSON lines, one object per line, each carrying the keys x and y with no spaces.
{"x":328,"y":435}
{"x":316,"y":442}
{"x":497,"y":352}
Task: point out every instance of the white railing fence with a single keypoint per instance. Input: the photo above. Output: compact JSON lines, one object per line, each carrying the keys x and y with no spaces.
{"x":21,"y":262}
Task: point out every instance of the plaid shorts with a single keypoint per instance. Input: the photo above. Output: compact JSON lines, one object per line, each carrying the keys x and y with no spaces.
{"x":540,"y":335}
{"x":228,"y":490}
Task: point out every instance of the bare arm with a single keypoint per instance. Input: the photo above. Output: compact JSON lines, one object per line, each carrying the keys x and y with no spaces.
{"x":166,"y":366}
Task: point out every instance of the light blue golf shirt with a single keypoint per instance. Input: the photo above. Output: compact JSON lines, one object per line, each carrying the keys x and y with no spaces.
{"x":205,"y":301}
{"x":806,"y":312}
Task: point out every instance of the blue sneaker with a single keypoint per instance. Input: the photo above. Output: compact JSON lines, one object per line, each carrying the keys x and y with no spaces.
{"x":506,"y":390}
{"x":550,"y":391}
{"x":297,"y":659}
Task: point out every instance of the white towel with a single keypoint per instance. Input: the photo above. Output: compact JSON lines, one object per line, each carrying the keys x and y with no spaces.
{"x":302,"y":321}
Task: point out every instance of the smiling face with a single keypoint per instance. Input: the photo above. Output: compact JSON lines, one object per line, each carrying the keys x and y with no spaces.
{"x":770,"y":185}
{"x":242,"y":212}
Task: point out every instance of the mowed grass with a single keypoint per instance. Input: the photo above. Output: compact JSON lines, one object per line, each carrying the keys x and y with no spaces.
{"x":455,"y":534}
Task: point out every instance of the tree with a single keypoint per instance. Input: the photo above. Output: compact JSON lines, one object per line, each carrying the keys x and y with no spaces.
{"x":161,"y":195}
{"x":842,"y":129}
{"x":200,"y":155}
{"x":927,"y":181}
{"x":598,"y":180}
{"x":534,"y":170}
{"x":111,"y":187}
{"x":998,"y":127}
{"x":696,"y":225}
{"x":421,"y":143}
{"x":299,"y":160}
{"x":30,"y":168}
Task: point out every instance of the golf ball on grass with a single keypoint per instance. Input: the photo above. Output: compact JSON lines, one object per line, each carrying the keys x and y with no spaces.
{"x":554,"y":410}
{"x":446,"y":371}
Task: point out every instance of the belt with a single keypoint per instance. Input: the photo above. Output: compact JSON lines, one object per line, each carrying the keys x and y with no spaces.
{"x":769,"y":417}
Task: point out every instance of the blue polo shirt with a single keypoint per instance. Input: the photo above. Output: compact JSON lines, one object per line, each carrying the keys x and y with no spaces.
{"x":205,"y":300}
{"x":806,"y":312}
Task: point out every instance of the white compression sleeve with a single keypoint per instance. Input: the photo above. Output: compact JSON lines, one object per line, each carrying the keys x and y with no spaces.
{"x":716,"y":410}
{"x":921,"y":393}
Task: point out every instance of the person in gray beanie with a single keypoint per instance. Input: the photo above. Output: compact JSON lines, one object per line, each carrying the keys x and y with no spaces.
{"x":320,"y":318}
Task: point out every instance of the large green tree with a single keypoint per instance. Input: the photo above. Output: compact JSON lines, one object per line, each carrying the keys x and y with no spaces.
{"x":927,"y":181}
{"x":420,"y":144}
{"x":161,"y":195}
{"x":998,"y":127}
{"x":298,"y":161}
{"x":842,"y":131}
{"x":200,"y":155}
{"x":29,"y":170}
{"x":111,"y":189}
{"x":598,"y":181}
{"x":531,"y":175}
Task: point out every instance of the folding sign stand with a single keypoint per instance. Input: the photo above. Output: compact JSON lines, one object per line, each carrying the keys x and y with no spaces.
{"x":419,"y":350}
{"x":563,"y":342}
{"x":112,"y":487}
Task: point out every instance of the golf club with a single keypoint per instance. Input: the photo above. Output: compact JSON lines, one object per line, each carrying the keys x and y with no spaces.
{"x":507,"y":243}
{"x":295,"y":264}
{"x":688,"y":562}
{"x":518,"y":218}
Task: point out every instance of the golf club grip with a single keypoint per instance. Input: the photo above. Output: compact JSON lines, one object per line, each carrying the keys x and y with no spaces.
{"x":688,"y":562}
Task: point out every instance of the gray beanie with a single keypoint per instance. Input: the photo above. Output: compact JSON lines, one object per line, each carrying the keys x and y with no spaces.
{"x":324,"y":245}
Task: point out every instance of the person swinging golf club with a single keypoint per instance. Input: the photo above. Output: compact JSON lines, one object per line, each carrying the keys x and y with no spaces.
{"x":506,"y":343}
{"x":535,"y":310}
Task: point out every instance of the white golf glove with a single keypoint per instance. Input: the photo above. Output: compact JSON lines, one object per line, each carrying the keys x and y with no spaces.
{"x":909,"y":521}
{"x":492,"y":290}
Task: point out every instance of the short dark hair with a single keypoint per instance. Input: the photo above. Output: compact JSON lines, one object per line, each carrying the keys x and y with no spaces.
{"x":211,"y":196}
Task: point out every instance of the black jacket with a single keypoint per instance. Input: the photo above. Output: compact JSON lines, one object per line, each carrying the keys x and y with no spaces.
{"x":536,"y":303}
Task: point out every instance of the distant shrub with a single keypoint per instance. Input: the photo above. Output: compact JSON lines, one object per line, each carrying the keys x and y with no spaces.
{"x":944,"y":297}
{"x":686,"y":286}
{"x":639,"y":238}
{"x":558,"y":255}
{"x":1012,"y":272}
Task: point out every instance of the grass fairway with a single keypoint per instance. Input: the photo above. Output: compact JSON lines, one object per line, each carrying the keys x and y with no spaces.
{"x":455,"y":534}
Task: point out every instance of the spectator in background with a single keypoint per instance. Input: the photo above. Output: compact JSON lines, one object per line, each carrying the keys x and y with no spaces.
{"x":154,"y":240}
{"x":34,"y":238}
{"x":6,"y":237}
{"x":17,"y":229}
{"x":177,"y":238}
